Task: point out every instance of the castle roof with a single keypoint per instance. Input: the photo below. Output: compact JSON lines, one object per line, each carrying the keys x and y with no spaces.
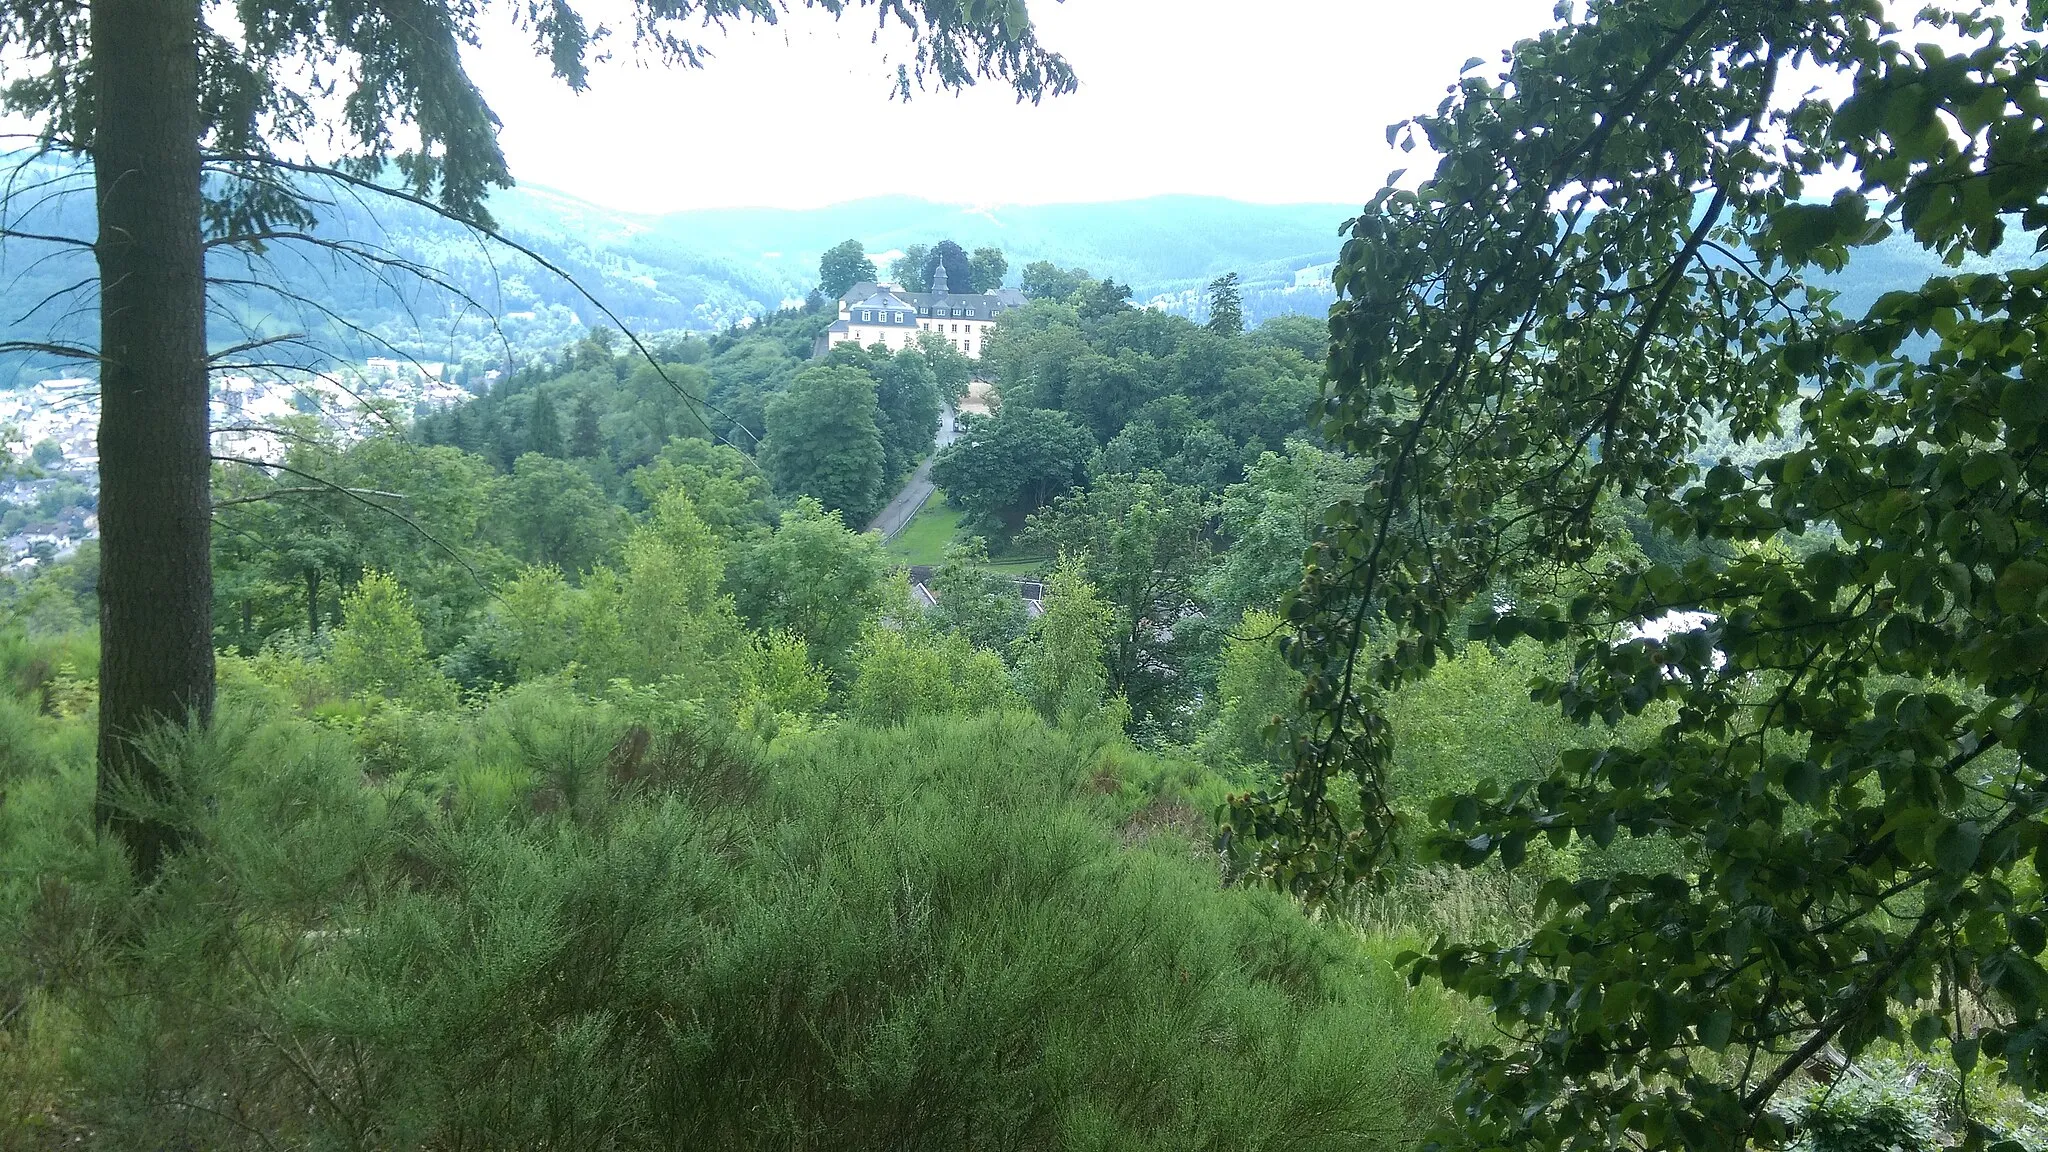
{"x":967,"y":305}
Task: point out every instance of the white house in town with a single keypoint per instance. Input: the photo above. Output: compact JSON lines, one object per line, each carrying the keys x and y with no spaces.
{"x":872,"y":313}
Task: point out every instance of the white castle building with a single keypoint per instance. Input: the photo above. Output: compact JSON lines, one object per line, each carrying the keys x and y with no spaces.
{"x":885,"y":314}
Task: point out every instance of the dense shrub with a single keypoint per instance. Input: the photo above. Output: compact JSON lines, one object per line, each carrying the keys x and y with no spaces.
{"x":580,"y":933}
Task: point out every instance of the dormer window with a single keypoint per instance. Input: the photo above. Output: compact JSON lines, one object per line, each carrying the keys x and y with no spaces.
{"x":866,"y":314}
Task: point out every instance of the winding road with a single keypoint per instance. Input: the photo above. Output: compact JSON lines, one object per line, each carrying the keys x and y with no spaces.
{"x":918,"y":488}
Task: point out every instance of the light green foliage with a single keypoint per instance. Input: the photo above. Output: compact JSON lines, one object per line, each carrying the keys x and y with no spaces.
{"x":813,"y":578}
{"x":1613,"y":260}
{"x":842,"y":266}
{"x":534,"y":610}
{"x":951,"y":370}
{"x":1143,"y":543}
{"x":380,"y":650}
{"x":984,"y":606}
{"x":1858,"y":1118}
{"x":912,"y":269}
{"x":954,"y":934}
{"x":664,"y":615}
{"x":905,"y":671}
{"x":823,"y":441}
{"x":1059,"y":661}
{"x":928,"y":535}
{"x":779,"y":684}
{"x":727,"y":490}
{"x":1258,"y":697}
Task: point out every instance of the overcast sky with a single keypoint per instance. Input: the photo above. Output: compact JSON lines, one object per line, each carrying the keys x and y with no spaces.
{"x":1280,"y":101}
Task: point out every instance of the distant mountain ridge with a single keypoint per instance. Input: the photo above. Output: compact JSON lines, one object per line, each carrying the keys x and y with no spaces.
{"x":697,"y":270}
{"x":700,"y":270}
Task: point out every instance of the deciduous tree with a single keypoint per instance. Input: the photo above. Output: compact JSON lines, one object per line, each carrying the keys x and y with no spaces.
{"x":187,"y":111}
{"x":1003,"y":469}
{"x":823,"y":441}
{"x":1851,"y":748}
{"x":989,"y":266}
{"x":842,"y":266}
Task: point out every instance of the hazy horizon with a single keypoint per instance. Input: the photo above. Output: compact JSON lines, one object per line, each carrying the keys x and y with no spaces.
{"x":798,"y":116}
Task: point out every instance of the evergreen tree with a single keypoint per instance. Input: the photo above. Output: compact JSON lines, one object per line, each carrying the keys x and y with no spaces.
{"x":586,"y":442}
{"x":543,"y":428}
{"x":1226,"y":306}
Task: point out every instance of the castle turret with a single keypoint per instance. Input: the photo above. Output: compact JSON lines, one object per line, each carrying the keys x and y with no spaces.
{"x":939,"y":280}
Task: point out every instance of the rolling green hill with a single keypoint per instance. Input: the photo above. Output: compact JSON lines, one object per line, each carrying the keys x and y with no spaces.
{"x":700,"y":270}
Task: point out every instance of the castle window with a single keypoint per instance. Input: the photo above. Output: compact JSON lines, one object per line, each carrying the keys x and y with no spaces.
{"x":866,"y":315}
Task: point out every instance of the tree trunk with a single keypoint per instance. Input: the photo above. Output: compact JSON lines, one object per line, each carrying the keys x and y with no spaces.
{"x":312,"y":602}
{"x":156,"y":576}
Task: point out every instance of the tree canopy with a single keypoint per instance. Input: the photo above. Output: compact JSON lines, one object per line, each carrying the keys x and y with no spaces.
{"x":1844,"y":741}
{"x":195,"y":117}
{"x":842,"y":266}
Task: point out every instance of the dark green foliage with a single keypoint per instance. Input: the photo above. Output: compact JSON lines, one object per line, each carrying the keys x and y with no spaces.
{"x":1609,"y":265}
{"x":1043,"y":280}
{"x":585,"y":441}
{"x":1143,"y":542}
{"x":1001,"y":470}
{"x":823,"y":441}
{"x":1103,"y":367}
{"x":959,"y":267}
{"x":1226,"y":306}
{"x":555,"y":514}
{"x":981,"y":605}
{"x":814,"y":578}
{"x":543,"y":426}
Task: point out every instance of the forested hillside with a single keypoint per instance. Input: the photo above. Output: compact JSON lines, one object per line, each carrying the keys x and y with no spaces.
{"x":406,"y":279}
{"x":1585,"y":691}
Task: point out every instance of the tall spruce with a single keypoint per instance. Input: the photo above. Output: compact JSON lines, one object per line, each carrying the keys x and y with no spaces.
{"x":586,"y":439}
{"x":155,"y":90}
{"x":543,"y":425}
{"x":1226,"y":306}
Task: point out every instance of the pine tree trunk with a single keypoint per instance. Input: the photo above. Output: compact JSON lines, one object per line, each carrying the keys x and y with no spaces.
{"x":156,"y":577}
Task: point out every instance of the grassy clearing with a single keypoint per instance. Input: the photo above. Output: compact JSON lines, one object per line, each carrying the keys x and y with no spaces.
{"x":1022,"y":567}
{"x":924,"y":539}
